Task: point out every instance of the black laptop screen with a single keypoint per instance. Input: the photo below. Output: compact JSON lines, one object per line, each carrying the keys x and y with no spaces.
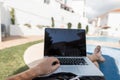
{"x":64,"y":42}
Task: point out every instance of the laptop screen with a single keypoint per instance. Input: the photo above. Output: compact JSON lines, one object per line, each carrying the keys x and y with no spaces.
{"x":64,"y":42}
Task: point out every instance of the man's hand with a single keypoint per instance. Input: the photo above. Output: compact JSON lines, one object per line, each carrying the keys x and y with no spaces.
{"x":46,"y":66}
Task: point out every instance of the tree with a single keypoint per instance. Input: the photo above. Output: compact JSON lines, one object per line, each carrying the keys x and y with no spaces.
{"x":12,"y":13}
{"x":87,"y":29}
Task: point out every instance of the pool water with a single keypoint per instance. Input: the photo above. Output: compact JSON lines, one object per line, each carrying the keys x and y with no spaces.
{"x":103,"y":39}
{"x":111,"y":67}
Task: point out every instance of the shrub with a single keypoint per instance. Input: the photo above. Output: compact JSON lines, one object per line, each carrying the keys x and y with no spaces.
{"x":69,"y":25}
{"x":12,"y":13}
{"x":87,"y":29}
{"x":79,"y":25}
{"x":53,"y":22}
{"x":28,"y":25}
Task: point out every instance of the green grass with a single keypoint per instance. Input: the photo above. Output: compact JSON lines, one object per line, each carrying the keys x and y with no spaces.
{"x":11,"y":60}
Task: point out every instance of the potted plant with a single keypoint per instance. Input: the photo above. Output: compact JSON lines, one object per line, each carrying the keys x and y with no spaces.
{"x":13,"y":25}
{"x":87,"y":29}
{"x":69,"y":25}
{"x":79,"y":25}
{"x":53,"y":22}
{"x":39,"y":26}
{"x":27,"y":24}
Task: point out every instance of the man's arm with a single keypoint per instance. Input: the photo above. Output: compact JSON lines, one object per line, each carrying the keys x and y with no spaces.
{"x":44,"y":67}
{"x":26,"y":75}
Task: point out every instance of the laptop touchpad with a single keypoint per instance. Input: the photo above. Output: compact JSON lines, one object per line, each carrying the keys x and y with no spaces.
{"x":72,"y":68}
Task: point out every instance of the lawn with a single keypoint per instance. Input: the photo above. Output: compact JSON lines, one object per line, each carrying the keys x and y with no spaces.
{"x":11,"y":60}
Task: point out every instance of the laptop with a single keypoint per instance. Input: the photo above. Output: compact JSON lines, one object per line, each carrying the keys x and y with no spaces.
{"x":69,"y":46}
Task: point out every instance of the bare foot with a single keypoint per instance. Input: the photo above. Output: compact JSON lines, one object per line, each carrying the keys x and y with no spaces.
{"x":98,"y":54}
{"x":96,"y":64}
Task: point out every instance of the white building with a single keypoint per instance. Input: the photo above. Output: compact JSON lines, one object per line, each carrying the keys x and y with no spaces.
{"x":114,"y":22}
{"x":40,"y":12}
{"x":0,"y":23}
{"x":108,"y":23}
{"x":4,"y":20}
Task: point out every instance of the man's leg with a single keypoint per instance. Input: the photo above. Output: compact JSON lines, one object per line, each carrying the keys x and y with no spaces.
{"x":96,"y":56}
{"x":97,"y":53}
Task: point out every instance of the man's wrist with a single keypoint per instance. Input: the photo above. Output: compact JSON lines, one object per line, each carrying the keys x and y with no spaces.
{"x":36,"y":71}
{"x":27,"y":75}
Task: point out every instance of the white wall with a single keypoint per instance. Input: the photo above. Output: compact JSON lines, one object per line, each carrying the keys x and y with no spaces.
{"x":5,"y":17}
{"x":77,"y":5}
{"x":114,"y":20}
{"x":0,"y":22}
{"x":114,"y":23}
{"x":104,"y":20}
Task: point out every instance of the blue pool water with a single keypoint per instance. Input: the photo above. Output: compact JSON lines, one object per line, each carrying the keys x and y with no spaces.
{"x":104,"y":39}
{"x":111,"y":67}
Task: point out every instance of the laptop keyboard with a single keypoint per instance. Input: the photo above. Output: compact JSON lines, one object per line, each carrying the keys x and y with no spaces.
{"x":72,"y":61}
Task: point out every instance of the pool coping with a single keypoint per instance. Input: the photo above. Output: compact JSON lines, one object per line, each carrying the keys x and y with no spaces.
{"x":106,"y":44}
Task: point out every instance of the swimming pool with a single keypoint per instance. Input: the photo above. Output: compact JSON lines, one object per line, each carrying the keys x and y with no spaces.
{"x":103,"y":39}
{"x":111,"y":67}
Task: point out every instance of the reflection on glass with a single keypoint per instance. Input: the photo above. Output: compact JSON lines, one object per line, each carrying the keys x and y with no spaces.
{"x":65,"y":42}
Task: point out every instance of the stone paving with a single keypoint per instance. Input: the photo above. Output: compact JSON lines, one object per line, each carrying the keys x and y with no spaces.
{"x":18,"y":40}
{"x":107,"y":44}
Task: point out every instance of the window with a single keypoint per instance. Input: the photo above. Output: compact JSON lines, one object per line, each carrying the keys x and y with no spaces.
{"x":47,"y":1}
{"x":63,"y":6}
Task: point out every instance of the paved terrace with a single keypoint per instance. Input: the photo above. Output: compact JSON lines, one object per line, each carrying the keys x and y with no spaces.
{"x":17,"y":40}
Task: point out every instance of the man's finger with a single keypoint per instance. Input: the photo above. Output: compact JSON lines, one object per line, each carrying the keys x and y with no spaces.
{"x":55,"y":67}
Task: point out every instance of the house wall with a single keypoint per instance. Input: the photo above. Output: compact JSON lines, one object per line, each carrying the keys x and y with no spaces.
{"x":78,"y":6}
{"x":112,"y":20}
{"x":114,"y":23}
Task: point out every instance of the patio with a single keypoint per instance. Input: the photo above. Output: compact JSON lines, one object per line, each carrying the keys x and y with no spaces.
{"x":17,"y":40}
